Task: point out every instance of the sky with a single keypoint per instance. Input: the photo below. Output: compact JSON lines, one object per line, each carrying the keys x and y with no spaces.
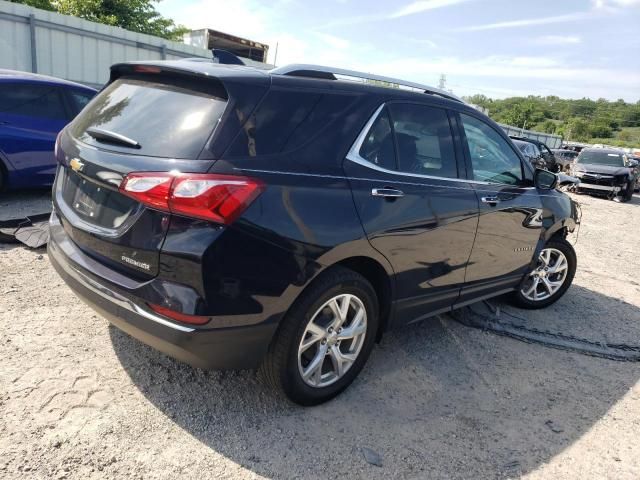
{"x":499,"y":48}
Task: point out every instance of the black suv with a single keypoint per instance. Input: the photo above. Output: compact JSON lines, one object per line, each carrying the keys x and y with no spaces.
{"x":606,"y":171}
{"x":233,"y":218}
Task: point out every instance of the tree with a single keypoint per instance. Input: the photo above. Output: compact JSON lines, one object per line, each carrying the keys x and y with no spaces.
{"x":578,"y":129}
{"x":548,"y":126}
{"x":583,"y":119}
{"x":480,"y":100}
{"x":600,"y":130}
{"x":625,"y":136}
{"x":135,"y":15}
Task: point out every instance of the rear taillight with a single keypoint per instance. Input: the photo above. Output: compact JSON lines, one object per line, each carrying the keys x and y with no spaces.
{"x":217,"y":198}
{"x":151,"y":189}
{"x":181,"y":317}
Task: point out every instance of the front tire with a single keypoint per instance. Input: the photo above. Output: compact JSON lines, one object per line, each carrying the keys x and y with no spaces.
{"x":628,"y":194}
{"x":551,"y":277}
{"x":325,"y":339}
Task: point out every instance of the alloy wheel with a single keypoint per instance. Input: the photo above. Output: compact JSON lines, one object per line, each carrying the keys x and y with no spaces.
{"x":548,"y":276}
{"x":332,"y":340}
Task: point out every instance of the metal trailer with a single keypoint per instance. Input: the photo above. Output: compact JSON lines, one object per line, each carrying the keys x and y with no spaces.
{"x":209,"y":39}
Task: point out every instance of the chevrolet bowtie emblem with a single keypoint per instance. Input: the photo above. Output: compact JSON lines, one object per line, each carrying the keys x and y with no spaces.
{"x":76,"y":165}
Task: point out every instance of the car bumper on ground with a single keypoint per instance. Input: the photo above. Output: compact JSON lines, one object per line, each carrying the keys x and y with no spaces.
{"x":225,"y":348}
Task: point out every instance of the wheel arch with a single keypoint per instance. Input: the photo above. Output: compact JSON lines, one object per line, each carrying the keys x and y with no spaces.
{"x":375,"y":271}
{"x":560,"y":228}
{"x":381,"y":282}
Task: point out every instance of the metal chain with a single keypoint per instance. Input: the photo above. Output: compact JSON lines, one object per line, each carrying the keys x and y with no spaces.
{"x":619,"y":352}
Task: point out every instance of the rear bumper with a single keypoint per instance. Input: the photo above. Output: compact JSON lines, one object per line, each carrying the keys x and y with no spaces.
{"x":210,"y":348}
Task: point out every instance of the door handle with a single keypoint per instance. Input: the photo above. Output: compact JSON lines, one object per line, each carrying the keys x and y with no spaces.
{"x":387,"y":192}
{"x":493,"y":200}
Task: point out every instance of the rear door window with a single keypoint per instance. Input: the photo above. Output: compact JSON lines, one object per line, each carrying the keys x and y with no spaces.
{"x":40,"y":101}
{"x":377,"y":146}
{"x":167,"y":117}
{"x":423,"y":140}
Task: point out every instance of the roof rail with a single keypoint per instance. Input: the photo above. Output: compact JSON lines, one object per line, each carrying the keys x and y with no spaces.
{"x":329,"y":73}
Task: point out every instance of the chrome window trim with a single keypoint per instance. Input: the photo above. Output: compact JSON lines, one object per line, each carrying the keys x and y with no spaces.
{"x":354,"y":156}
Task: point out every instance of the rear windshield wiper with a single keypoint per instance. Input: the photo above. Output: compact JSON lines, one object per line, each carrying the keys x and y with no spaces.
{"x":112,"y":137}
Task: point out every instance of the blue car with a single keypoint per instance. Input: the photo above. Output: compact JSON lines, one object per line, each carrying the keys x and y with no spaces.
{"x":33,"y":109}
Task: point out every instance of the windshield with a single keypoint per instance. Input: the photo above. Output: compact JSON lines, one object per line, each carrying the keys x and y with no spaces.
{"x":601,"y":158}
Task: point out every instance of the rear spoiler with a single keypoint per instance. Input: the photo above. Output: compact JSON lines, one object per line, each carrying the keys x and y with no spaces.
{"x":225,"y":57}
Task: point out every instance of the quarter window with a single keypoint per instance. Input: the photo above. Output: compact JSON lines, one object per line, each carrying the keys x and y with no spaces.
{"x":274,"y":122}
{"x":492,"y":158}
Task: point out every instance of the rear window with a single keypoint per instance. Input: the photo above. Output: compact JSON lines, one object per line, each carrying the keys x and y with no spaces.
{"x":167,"y":117}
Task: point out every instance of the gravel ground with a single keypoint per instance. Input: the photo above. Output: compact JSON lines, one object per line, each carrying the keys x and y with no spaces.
{"x":79,"y":399}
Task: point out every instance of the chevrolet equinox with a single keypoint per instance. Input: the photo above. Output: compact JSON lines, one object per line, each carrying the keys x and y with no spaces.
{"x":234,"y":218}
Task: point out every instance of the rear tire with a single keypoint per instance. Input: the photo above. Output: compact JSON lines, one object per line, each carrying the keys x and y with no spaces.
{"x":525,"y":297}
{"x":309,"y":323}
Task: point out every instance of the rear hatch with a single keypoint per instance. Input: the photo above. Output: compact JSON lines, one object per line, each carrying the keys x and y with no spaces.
{"x":146,"y":120}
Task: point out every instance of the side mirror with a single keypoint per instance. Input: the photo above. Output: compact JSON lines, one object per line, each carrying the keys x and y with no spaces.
{"x":544,"y":179}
